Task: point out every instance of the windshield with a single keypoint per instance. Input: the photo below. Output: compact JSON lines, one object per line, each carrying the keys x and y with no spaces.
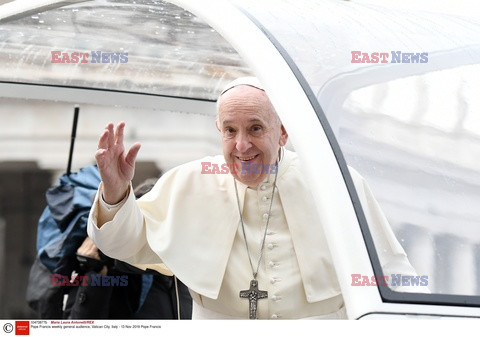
{"x":142,"y":46}
{"x":408,"y":125}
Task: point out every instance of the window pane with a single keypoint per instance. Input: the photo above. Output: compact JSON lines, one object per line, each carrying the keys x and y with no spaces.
{"x":158,"y":48}
{"x":411,"y":129}
{"x":411,"y":138}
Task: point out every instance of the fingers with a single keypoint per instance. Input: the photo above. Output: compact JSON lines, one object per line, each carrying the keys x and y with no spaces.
{"x":106,"y":137}
{"x":132,"y":154}
{"x":87,"y":245}
{"x":110,"y":139}
{"x":111,"y":135}
{"x":103,"y":141}
{"x":119,"y":133}
{"x":88,"y":248}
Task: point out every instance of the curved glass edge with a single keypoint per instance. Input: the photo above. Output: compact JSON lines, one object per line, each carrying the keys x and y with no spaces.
{"x":388,"y":295}
{"x":110,"y":90}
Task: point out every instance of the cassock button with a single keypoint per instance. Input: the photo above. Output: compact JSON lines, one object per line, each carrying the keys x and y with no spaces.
{"x":272,"y":281}
{"x":270,"y":246}
{"x":263,"y":187}
{"x":265,"y":216}
{"x":265,"y":198}
{"x":274,"y":316}
{"x":271,"y":264}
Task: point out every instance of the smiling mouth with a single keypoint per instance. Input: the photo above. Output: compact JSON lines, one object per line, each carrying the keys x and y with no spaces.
{"x":247,"y":158}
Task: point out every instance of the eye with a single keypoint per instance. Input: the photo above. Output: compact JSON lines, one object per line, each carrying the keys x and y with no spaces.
{"x":229,"y":131}
{"x":256,"y":128}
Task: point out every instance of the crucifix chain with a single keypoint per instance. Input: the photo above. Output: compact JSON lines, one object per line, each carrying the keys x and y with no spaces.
{"x":254,"y":294}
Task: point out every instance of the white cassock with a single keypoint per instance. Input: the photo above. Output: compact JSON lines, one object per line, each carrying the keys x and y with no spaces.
{"x":190,"y":222}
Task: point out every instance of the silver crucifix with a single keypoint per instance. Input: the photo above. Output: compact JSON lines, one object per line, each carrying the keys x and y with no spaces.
{"x":253,"y":295}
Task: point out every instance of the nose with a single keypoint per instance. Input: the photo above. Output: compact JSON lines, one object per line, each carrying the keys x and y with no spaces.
{"x":242,"y":142}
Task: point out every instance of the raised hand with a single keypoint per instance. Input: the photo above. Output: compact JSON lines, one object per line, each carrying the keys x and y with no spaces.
{"x":116,"y":167}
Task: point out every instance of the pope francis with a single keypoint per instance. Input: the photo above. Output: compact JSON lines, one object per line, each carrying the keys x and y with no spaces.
{"x":248,"y":244}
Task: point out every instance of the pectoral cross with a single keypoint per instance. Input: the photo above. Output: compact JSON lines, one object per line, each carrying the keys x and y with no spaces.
{"x":253,"y":295}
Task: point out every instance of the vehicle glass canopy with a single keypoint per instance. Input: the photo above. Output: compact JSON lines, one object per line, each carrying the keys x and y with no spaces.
{"x":170,"y":53}
{"x":158,"y":48}
{"x":409,"y":127}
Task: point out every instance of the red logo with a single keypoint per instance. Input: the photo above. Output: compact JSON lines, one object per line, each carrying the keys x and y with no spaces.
{"x":22,"y":328}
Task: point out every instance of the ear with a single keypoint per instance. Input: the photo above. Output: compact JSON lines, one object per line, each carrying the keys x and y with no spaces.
{"x":217,"y":124}
{"x":283,"y":136}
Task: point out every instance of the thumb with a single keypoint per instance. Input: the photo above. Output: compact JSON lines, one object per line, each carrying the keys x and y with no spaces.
{"x":132,"y":154}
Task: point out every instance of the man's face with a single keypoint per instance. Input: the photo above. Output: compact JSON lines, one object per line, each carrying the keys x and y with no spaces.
{"x":251,"y":133}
